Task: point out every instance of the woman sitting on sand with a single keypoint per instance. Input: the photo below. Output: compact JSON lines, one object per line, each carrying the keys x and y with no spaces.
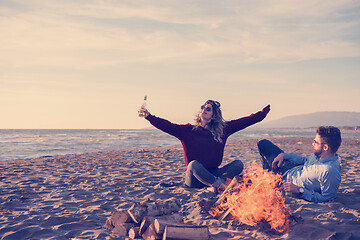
{"x":204,"y":143}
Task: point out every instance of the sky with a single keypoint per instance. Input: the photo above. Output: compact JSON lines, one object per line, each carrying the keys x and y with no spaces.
{"x":87,"y":64}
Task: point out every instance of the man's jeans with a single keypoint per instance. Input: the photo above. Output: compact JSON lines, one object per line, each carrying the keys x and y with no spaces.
{"x":269,"y":152}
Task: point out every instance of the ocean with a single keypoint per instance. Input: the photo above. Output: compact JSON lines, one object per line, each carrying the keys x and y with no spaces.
{"x":32,"y":143}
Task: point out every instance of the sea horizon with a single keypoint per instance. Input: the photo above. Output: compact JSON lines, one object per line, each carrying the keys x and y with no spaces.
{"x":33,"y":143}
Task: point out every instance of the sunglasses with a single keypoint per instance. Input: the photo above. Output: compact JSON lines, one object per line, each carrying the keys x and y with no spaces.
{"x":318,"y":143}
{"x":208,"y":109}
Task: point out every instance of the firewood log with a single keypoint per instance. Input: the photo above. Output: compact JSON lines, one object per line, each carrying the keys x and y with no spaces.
{"x":120,"y":216}
{"x":160,"y":225}
{"x":134,"y":232}
{"x":150,"y":233}
{"x":147,"y":220}
{"x":108,"y":224}
{"x":188,"y":232}
{"x":123,"y":229}
{"x":138,"y":210}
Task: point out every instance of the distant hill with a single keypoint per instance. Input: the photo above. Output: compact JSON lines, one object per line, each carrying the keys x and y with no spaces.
{"x":338,"y":119}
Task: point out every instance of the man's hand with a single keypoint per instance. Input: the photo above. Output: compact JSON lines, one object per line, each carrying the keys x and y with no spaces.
{"x":278,"y":161}
{"x":290,"y":187}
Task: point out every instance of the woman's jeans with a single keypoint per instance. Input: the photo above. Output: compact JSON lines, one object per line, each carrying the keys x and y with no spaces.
{"x":269,"y":152}
{"x":197,"y":176}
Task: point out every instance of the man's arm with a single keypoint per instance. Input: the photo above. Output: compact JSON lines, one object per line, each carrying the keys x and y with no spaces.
{"x":292,"y":157}
{"x":295,"y":158}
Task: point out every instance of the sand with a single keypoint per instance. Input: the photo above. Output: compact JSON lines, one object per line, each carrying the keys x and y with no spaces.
{"x":70,"y":196}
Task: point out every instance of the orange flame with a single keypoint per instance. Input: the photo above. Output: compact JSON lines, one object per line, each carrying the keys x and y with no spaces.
{"x":257,"y":198}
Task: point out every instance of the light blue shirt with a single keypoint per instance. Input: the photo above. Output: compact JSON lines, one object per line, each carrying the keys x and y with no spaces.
{"x":320,"y":178}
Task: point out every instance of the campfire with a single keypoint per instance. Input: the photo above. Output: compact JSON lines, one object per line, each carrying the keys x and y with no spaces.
{"x":254,"y":198}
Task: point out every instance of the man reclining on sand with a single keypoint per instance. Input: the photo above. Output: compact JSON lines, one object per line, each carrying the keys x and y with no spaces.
{"x":315,"y":178}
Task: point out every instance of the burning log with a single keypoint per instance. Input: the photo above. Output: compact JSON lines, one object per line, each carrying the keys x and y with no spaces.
{"x":186,"y":232}
{"x":255,"y":199}
{"x":225,"y":214}
{"x":222,"y":196}
{"x":138,"y":210}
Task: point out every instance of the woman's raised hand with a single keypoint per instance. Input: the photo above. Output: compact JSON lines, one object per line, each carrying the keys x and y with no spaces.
{"x":143,"y":112}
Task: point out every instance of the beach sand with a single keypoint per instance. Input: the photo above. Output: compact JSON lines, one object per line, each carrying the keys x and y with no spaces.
{"x":71,"y":196}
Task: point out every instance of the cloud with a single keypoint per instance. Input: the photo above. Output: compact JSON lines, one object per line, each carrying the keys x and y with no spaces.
{"x":108,"y":33}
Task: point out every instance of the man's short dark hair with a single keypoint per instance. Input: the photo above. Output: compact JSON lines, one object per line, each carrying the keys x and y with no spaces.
{"x":331,"y":135}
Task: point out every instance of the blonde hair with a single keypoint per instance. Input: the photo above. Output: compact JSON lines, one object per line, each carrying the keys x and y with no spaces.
{"x":216,"y":124}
